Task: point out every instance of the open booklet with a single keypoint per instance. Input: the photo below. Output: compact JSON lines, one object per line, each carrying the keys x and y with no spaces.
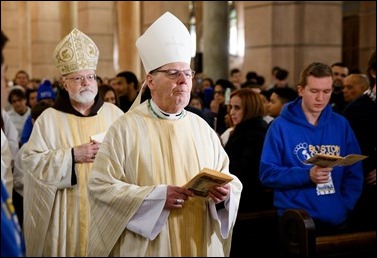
{"x":323,"y":160}
{"x":98,"y":137}
{"x":206,"y":179}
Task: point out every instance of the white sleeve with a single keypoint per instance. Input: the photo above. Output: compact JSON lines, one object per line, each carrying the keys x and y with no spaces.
{"x":223,"y":216}
{"x":151,"y":216}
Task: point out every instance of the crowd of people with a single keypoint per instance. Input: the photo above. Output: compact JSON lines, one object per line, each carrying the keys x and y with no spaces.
{"x":97,"y":167}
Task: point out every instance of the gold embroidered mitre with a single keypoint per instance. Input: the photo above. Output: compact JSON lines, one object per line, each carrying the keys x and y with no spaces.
{"x":75,"y":52}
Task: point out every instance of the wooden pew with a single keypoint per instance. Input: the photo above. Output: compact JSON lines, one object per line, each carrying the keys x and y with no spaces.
{"x":256,"y":233}
{"x":257,"y":215}
{"x":297,"y":239}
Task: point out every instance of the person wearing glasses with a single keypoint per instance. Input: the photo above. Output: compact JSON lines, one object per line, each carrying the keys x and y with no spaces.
{"x":57,"y":159}
{"x":139,"y":205}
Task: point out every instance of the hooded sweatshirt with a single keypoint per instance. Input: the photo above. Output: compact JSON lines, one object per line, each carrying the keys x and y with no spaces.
{"x":290,"y":140}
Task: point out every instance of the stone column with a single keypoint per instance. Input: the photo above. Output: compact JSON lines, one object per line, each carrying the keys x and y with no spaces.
{"x":367,"y":36}
{"x":215,"y":39}
{"x":96,"y":19}
{"x":45,"y":33}
{"x":128,"y":31}
{"x":291,"y":34}
{"x":17,"y":53}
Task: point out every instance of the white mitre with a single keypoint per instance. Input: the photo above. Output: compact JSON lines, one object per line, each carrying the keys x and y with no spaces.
{"x":166,"y":41}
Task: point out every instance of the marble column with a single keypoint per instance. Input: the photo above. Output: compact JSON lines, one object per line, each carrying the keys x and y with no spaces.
{"x":128,"y":31}
{"x":215,"y":39}
{"x":96,"y":19}
{"x":367,"y":35}
{"x":291,"y":34}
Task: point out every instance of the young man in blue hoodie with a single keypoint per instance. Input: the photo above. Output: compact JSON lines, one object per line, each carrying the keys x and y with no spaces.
{"x":305,"y":127}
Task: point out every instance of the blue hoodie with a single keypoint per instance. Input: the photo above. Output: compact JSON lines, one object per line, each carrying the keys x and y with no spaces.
{"x":290,"y":140}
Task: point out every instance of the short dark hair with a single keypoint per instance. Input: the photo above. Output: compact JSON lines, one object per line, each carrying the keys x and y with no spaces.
{"x":16,"y":92}
{"x":224,"y":83}
{"x":281,"y":74}
{"x":285,"y":94}
{"x":130,"y":77}
{"x":339,"y":64}
{"x":234,"y":70}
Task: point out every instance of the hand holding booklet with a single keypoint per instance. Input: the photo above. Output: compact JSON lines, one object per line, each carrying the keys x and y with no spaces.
{"x":206,"y":179}
{"x":329,"y":161}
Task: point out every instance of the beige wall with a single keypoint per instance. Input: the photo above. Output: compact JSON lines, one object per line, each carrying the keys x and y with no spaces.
{"x":285,"y":33}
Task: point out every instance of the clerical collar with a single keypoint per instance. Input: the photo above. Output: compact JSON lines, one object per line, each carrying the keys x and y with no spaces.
{"x":163,"y":115}
{"x":371,"y":94}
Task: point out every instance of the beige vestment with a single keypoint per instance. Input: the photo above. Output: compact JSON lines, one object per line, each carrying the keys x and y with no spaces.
{"x":141,"y":152}
{"x":56,"y":214}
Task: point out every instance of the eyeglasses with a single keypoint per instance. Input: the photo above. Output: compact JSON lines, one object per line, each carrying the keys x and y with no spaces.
{"x":79,"y":79}
{"x":174,"y":73}
{"x":221,"y":92}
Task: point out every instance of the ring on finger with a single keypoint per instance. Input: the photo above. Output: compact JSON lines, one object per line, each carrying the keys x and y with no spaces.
{"x":179,"y":201}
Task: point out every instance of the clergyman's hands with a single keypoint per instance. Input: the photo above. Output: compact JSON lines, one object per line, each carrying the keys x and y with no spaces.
{"x":86,"y":152}
{"x":219,"y":193}
{"x":176,"y":197}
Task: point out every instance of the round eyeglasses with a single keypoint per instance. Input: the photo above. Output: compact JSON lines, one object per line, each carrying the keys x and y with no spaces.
{"x":80,"y":78}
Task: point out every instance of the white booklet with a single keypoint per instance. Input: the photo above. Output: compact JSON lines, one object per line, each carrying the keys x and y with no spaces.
{"x":98,"y":137}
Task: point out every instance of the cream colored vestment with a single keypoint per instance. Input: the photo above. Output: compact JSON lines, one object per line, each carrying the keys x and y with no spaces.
{"x":56,"y":214}
{"x":140,"y":152}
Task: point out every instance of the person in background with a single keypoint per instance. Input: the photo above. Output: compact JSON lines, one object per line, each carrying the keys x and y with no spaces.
{"x":207,"y":86}
{"x":354,"y":86}
{"x":266,"y":102}
{"x":55,"y":168}
{"x":235,"y":77}
{"x":45,"y":93}
{"x":108,"y":94}
{"x":305,"y":127}
{"x":340,"y":72}
{"x":197,"y":102}
{"x":19,"y":111}
{"x":219,"y":105}
{"x":12,"y":241}
{"x":139,"y":205}
{"x":244,"y":148}
{"x":126,"y":85}
{"x":278,"y":98}
{"x":361,"y":113}
{"x":31,"y":97}
{"x":22,"y":79}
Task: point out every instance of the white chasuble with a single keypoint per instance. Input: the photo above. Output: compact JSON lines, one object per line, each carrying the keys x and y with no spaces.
{"x":141,"y":152}
{"x":56,"y":213}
